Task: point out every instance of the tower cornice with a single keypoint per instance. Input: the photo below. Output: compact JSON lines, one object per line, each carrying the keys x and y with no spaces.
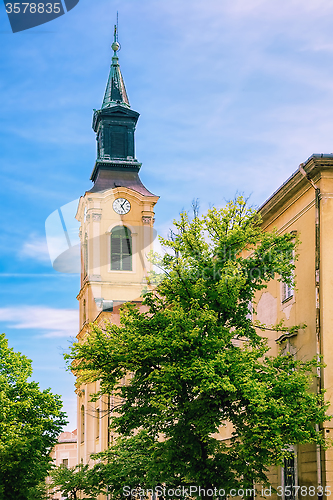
{"x":115,"y":165}
{"x":117,"y":110}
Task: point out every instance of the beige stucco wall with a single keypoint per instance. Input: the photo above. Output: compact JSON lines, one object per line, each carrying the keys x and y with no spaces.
{"x":292,"y":208}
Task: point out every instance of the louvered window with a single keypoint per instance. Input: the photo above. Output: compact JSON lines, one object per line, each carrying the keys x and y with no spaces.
{"x":121,"y":249}
{"x":99,"y":144}
{"x":118,"y":142}
{"x":106,"y":141}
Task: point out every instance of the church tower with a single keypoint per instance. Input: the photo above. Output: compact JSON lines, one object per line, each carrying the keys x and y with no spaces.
{"x":116,"y":232}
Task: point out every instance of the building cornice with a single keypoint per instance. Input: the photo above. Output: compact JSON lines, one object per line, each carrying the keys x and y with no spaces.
{"x":314,"y":167}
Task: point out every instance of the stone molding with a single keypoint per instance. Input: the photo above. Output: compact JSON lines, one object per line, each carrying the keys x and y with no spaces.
{"x":147,"y":221}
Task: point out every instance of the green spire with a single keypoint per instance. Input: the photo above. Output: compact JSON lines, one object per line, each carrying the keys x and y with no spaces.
{"x":115,"y":92}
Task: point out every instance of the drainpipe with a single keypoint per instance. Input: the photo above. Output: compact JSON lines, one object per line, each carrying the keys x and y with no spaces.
{"x":317,"y":285}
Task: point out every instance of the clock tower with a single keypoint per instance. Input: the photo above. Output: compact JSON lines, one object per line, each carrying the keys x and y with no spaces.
{"x":116,"y":233}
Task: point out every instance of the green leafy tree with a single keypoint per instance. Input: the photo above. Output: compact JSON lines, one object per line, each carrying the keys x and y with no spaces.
{"x":30,"y":422}
{"x":130,"y":462}
{"x":39,"y":492}
{"x":194,"y":360}
{"x":73,"y":482}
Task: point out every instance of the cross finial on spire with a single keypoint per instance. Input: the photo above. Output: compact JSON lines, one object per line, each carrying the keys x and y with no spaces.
{"x":115,"y":46}
{"x":115,"y":92}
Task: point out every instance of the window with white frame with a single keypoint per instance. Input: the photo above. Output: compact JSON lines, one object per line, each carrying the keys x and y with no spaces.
{"x":287,"y":291}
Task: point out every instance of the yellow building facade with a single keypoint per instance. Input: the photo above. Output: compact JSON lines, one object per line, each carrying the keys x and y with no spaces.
{"x":303,"y":205}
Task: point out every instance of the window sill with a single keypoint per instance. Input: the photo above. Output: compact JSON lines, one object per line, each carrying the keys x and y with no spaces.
{"x":121,"y":272}
{"x":285,"y":336}
{"x":288,"y":299}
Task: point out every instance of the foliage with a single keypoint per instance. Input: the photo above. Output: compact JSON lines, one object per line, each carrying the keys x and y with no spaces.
{"x":73,"y":481}
{"x":193,"y":360}
{"x":39,"y":492}
{"x":130,"y":461}
{"x":30,"y":422}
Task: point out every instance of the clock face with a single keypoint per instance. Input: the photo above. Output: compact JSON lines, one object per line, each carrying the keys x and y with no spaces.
{"x":121,"y":206}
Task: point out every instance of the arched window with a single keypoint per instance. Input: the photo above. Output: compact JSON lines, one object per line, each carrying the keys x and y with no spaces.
{"x":82,"y":423}
{"x":85,"y":256}
{"x":97,"y":422}
{"x":84,"y":311}
{"x":121,"y":249}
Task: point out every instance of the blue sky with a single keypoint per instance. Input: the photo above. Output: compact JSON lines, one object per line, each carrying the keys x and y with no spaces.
{"x":233,"y":95}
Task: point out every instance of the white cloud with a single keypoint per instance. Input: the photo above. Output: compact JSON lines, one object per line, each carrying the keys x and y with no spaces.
{"x":45,"y":321}
{"x":35,"y":248}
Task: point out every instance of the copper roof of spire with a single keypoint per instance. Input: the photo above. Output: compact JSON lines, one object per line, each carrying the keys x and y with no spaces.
{"x":115,"y":92}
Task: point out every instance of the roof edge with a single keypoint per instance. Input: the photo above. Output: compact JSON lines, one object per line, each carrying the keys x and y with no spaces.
{"x":315,"y":164}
